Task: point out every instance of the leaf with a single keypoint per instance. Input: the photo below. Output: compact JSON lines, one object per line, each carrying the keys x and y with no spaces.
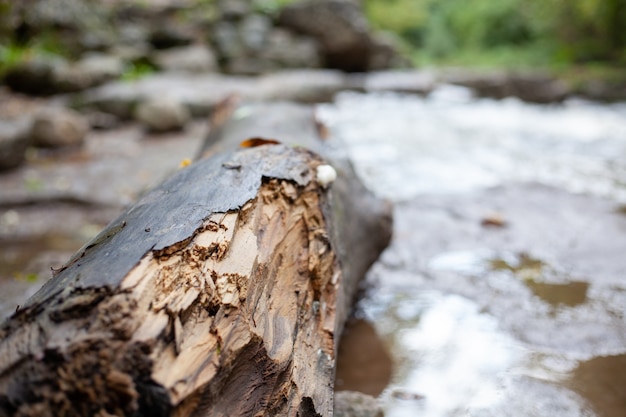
{"x":253,"y":142}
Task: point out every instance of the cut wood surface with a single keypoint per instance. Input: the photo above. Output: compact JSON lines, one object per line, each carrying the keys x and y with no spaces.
{"x":222,"y":292}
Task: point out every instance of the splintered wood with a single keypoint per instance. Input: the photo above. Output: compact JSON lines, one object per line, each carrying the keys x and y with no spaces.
{"x":258,"y":280}
{"x":236,"y":320}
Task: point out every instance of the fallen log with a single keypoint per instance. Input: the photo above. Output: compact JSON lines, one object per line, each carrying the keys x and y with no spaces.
{"x":222,"y":292}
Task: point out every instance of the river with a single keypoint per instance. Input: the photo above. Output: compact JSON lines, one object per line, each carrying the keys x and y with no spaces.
{"x":503,"y":292}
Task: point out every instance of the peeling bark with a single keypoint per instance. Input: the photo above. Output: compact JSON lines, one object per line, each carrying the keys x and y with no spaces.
{"x":220,"y":293}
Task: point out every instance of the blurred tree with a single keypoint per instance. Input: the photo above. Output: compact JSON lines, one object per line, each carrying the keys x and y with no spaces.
{"x":566,"y":31}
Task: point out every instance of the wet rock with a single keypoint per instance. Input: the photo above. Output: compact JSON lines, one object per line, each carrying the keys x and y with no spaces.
{"x":226,"y":40}
{"x":356,"y":404}
{"x":102,"y":121}
{"x":76,"y":25}
{"x":121,"y":106}
{"x":538,"y":88}
{"x":162,"y":114}
{"x":56,"y":127}
{"x":253,"y":31}
{"x":384,"y":53}
{"x":531,"y":87}
{"x":53,"y":75}
{"x":247,"y":65}
{"x":133,"y":33}
{"x":339,"y":26}
{"x":603,"y":90}
{"x":249,"y":44}
{"x":196,"y":58}
{"x":98,"y":67}
{"x":138,"y":52}
{"x":241,"y":44}
{"x":14,"y":140}
{"x":233,"y":9}
{"x":414,"y":82}
{"x":199,"y":93}
{"x":287,"y":50}
{"x":304,"y":86}
{"x":94,"y":69}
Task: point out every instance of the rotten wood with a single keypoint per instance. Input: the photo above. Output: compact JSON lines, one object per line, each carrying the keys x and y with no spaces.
{"x":222,"y":292}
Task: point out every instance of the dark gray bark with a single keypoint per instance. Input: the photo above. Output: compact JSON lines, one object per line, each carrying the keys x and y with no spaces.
{"x":222,"y":292}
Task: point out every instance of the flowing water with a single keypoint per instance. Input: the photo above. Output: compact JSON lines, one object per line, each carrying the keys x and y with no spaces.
{"x":503,"y":292}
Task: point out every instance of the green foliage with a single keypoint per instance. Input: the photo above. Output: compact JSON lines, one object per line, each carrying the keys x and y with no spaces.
{"x":30,"y":277}
{"x":547,"y":32}
{"x":12,"y":52}
{"x":270,"y":6}
{"x":137,"y":70}
{"x":405,"y":18}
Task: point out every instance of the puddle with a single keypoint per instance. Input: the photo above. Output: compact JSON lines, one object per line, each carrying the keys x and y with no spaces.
{"x":602,"y":380}
{"x":536,"y":274}
{"x":453,"y":359}
{"x":571,"y":294}
{"x":363,"y":363}
{"x":451,"y":356}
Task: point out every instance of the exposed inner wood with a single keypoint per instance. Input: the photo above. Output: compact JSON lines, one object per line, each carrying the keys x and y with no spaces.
{"x":228,"y":314}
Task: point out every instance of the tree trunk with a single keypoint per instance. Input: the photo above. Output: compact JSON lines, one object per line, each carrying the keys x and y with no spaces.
{"x":222,"y":292}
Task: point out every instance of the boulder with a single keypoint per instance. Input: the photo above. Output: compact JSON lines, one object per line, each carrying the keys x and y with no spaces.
{"x":162,"y":114}
{"x":14,"y":140}
{"x":251,"y":46}
{"x":225,"y":37}
{"x":384,"y":53}
{"x":75,"y":25}
{"x":339,"y":26}
{"x":99,"y":67}
{"x":194,"y":58}
{"x":36,"y":76}
{"x":57,"y":127}
{"x":46,"y":75}
{"x":233,"y":9}
{"x":254,"y":30}
{"x":92,"y":70}
{"x":169,"y":35}
{"x":605,"y":91}
{"x":356,"y":404}
{"x":403,"y":81}
{"x":288,"y":50}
